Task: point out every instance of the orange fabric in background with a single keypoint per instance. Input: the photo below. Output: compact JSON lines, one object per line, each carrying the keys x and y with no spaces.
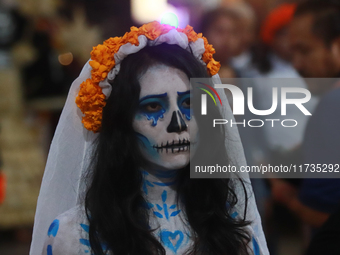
{"x":2,"y":187}
{"x":276,"y":20}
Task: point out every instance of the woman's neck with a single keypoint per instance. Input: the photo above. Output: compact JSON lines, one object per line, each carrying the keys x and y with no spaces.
{"x":159,"y":183}
{"x":161,"y":196}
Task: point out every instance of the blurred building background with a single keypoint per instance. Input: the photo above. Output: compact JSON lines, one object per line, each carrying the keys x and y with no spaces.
{"x":43,"y":46}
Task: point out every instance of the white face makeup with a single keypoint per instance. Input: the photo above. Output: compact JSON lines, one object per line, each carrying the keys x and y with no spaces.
{"x":164,"y":120}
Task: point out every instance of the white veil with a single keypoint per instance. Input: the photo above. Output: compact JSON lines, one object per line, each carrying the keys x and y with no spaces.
{"x":67,"y":160}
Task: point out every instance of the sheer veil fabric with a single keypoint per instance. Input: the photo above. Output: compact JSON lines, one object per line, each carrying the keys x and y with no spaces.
{"x":68,"y":158}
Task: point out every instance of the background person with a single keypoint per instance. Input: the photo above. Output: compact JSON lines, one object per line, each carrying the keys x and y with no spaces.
{"x":315,"y":41}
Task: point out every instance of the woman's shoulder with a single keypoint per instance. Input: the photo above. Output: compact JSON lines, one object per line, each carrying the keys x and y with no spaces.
{"x":73,"y":216}
{"x":68,"y":233}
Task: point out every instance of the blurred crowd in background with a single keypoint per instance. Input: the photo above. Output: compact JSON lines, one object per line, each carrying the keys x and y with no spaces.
{"x":45,"y":43}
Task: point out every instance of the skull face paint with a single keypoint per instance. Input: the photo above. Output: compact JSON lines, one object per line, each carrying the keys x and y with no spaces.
{"x":164,"y":120}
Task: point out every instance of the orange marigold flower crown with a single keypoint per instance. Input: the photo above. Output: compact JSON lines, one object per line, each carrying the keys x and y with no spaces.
{"x":91,"y":99}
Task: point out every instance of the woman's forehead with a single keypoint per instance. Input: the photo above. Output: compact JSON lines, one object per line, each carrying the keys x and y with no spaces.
{"x":162,"y":79}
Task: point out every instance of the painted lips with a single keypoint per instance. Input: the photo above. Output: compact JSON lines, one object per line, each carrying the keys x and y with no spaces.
{"x":174,"y":146}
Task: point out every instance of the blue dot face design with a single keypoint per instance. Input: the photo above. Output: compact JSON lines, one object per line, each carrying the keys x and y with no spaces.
{"x":163,"y":122}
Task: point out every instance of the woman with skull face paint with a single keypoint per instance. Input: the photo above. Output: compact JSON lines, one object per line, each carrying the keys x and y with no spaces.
{"x":136,"y":195}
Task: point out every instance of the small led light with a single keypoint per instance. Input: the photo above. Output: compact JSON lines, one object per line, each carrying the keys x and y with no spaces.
{"x":170,"y":19}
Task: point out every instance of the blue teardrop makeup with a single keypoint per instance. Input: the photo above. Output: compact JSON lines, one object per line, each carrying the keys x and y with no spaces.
{"x":184,"y":104}
{"x":153,"y":107}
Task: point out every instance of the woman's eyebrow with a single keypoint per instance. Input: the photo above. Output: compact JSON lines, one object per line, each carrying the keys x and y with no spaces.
{"x":183,"y":93}
{"x":153,"y":96}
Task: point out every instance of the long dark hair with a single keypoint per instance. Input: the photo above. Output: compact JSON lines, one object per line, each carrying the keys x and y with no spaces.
{"x":114,"y":200}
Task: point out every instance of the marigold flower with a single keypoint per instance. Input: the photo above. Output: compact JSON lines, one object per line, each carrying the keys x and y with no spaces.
{"x":213,"y":67}
{"x":131,"y":37}
{"x":114,"y":43}
{"x":151,"y":30}
{"x":206,"y":57}
{"x":190,"y":33}
{"x":101,"y":54}
{"x":102,"y":62}
{"x":166,"y":28}
{"x":91,"y":101}
{"x":192,"y":36}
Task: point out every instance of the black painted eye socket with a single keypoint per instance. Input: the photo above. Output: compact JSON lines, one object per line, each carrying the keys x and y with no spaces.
{"x":186,"y":103}
{"x":152,"y":107}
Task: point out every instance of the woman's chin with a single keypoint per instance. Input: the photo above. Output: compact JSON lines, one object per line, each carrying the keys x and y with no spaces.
{"x":172,"y":161}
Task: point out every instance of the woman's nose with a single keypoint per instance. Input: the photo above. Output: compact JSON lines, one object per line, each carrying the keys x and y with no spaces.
{"x":177,"y":123}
